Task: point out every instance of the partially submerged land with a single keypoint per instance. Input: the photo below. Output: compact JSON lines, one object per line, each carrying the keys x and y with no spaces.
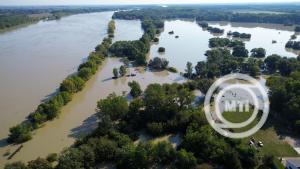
{"x":155,"y":112}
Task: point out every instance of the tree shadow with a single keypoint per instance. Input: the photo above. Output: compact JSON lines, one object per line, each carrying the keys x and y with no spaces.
{"x":85,"y":128}
{"x":107,"y":79}
{"x":4,"y":143}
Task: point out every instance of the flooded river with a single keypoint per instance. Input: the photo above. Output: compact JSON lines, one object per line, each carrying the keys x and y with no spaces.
{"x":45,"y":74}
{"x":36,"y":58}
{"x":192,"y":42}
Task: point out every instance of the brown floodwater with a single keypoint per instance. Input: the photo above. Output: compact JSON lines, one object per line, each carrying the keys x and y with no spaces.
{"x":78,"y":117}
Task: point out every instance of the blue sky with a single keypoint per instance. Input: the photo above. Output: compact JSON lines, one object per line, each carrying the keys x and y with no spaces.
{"x":106,"y":2}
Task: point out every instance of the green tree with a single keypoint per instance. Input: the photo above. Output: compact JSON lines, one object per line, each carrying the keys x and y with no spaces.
{"x":134,"y":157}
{"x":20,"y":133}
{"x":104,"y":148}
{"x":185,"y":160}
{"x":161,"y":49}
{"x":105,"y":125}
{"x":71,"y":158}
{"x":272,"y":63}
{"x":135,"y":89}
{"x":115,"y":72}
{"x":240,"y":51}
{"x":39,"y":163}
{"x":158,"y":63}
{"x":189,"y":69}
{"x":122,"y":70}
{"x":163,"y":153}
{"x":16,"y":165}
{"x":85,"y":73}
{"x":113,"y":106}
{"x":258,"y":52}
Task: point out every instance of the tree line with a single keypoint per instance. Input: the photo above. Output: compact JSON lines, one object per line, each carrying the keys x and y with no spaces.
{"x":50,"y":109}
{"x":206,"y":14}
{"x":136,"y":50}
{"x":12,"y":20}
{"x":14,"y":16}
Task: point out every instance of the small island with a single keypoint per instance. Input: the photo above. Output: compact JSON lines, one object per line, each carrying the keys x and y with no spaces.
{"x":161,"y":49}
{"x":293,"y":45}
{"x":239,"y":35}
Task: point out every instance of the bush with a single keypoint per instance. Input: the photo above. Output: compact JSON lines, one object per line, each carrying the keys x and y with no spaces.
{"x":172,"y":69}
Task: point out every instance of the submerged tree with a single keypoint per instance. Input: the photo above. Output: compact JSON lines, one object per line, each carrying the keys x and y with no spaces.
{"x":135,"y":89}
{"x":189,"y":69}
{"x":122,"y":70}
{"x":115,"y":72}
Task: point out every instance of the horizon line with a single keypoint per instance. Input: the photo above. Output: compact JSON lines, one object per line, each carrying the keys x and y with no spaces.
{"x":143,"y":4}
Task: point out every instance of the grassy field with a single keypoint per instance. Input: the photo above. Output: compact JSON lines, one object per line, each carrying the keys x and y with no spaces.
{"x":273,"y":145}
{"x":237,"y":117}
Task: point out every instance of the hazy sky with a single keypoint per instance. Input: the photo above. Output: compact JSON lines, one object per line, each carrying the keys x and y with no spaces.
{"x":106,"y":2}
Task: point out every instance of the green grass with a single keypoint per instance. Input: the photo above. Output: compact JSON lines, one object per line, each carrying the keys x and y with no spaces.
{"x":237,"y":117}
{"x":272,"y":143}
{"x":278,"y":164}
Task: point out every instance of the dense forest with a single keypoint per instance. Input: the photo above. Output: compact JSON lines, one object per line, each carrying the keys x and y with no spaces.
{"x":50,"y":109}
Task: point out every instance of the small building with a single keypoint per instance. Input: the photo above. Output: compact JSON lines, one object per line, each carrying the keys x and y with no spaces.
{"x":293,"y":163}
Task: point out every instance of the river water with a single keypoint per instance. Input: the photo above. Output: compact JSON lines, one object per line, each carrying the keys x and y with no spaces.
{"x":36,"y":58}
{"x":193,"y":40}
